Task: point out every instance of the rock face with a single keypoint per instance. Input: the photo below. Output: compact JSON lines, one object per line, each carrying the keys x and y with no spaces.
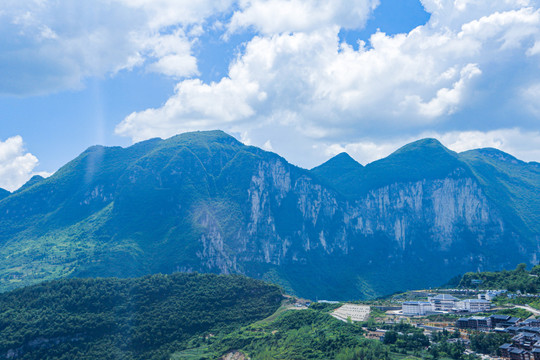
{"x":205,"y":202}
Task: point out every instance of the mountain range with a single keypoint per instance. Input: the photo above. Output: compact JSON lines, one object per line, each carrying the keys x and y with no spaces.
{"x":205,"y":202}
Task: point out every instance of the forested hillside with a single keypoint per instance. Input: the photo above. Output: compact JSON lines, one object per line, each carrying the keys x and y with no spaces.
{"x":513,"y":280}
{"x":141,"y":318}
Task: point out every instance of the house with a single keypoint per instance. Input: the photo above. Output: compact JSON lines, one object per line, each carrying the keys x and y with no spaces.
{"x":532,"y":323}
{"x":519,"y":354}
{"x":376,"y":335}
{"x":477,"y":323}
{"x":504,"y":350}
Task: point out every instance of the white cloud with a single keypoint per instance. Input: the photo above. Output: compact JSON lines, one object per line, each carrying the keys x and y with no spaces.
{"x":525,"y":145}
{"x":295,"y":80}
{"x":323,"y":89}
{"x":278,"y":16}
{"x":50,"y":46}
{"x":16,"y":165}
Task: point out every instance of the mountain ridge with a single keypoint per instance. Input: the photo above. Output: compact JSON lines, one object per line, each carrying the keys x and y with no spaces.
{"x":205,"y":202}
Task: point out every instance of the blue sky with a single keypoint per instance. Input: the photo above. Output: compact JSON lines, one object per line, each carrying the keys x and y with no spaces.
{"x":306,"y":79}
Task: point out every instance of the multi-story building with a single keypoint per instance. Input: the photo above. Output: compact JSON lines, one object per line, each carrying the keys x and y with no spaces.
{"x":474,"y":305}
{"x":477,"y":323}
{"x":416,"y":308}
{"x":443,"y":302}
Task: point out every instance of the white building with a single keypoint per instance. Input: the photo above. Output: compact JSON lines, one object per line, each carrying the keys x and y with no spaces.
{"x":353,"y":312}
{"x":474,"y":305}
{"x":416,"y":307}
{"x":443,"y":302}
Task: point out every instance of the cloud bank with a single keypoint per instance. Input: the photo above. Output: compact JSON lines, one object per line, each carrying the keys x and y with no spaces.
{"x":469,"y":76}
{"x":297,"y":76}
{"x":50,"y":46}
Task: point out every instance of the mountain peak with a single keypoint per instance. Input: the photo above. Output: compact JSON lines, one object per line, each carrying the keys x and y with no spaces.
{"x":34,"y":180}
{"x":341,"y":160}
{"x":203,"y":136}
{"x":339,"y":170}
{"x":427,"y":144}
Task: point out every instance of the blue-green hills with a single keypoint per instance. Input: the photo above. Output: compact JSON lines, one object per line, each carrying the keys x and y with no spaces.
{"x":205,"y":202}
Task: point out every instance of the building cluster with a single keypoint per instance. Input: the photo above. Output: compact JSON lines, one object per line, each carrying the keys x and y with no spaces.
{"x":525,"y":343}
{"x":443,"y":303}
{"x":488,"y":323}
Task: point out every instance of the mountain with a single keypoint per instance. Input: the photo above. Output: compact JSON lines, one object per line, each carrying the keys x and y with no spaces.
{"x":205,"y":202}
{"x":141,"y":318}
{"x":519,"y":279}
{"x":33,"y":180}
{"x":339,"y":172}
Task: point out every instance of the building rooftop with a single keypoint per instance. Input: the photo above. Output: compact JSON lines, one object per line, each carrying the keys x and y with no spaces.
{"x":416,"y":303}
{"x":477,"y":301}
{"x":445,"y":297}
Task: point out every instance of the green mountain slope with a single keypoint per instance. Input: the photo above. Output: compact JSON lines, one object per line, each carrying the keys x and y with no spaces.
{"x":511,"y":183}
{"x":205,"y":202}
{"x":420,"y":160}
{"x":142,"y":318}
{"x":339,"y":171}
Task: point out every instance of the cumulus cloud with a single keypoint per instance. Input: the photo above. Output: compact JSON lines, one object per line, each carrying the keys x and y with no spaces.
{"x":277,"y":16}
{"x":16,"y":165}
{"x":322,"y":89}
{"x":50,"y":46}
{"x":294,"y":81}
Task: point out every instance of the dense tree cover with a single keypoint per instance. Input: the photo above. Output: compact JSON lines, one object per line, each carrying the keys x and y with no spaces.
{"x":405,"y":337}
{"x":141,"y":318}
{"x":447,"y":344}
{"x":488,"y":343}
{"x":511,"y":280}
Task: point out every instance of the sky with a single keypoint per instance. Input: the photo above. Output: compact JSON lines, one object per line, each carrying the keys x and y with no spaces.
{"x":307,"y":79}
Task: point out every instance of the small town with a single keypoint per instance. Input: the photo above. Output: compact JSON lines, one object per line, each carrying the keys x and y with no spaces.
{"x":456,"y":316}
{"x":456,"y":311}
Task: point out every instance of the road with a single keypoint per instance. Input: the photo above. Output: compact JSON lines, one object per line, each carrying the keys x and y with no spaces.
{"x":529,"y":308}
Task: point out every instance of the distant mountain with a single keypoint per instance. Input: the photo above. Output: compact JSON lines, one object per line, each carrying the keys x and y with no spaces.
{"x":204,"y":201}
{"x":142,"y":318}
{"x":33,"y":180}
{"x":340,"y":171}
